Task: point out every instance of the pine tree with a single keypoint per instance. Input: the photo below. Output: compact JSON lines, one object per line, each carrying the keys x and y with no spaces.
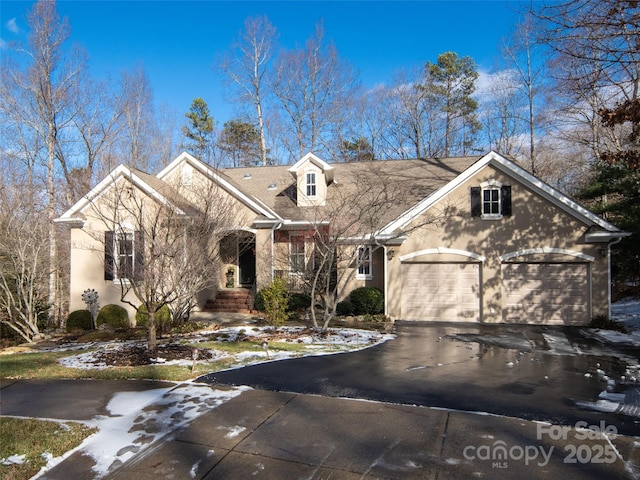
{"x":199,"y":129}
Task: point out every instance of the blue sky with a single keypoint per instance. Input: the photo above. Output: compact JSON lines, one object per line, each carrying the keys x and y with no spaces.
{"x":177,"y":42}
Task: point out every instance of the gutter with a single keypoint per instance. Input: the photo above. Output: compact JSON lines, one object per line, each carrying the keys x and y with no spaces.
{"x":609,"y":245}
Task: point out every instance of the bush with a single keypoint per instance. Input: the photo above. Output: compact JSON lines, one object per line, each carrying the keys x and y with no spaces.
{"x":258,"y":302}
{"x":604,"y":323}
{"x":344,"y":308}
{"x":367,"y":300}
{"x":79,"y":320}
{"x":276,"y":302}
{"x":114,"y":315}
{"x":163,"y":318}
{"x":298,"y":301}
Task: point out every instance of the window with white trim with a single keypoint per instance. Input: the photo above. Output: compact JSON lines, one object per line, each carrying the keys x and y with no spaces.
{"x":311,"y":184}
{"x":491,"y":200}
{"x":123,"y":255}
{"x":363,"y":260}
{"x":297,"y":258}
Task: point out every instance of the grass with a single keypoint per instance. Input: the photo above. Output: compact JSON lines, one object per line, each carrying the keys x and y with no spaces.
{"x":34,"y":439}
{"x":45,"y":365}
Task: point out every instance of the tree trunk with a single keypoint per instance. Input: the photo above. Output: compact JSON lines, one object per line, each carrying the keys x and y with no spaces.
{"x":152,"y":341}
{"x":53,"y":244}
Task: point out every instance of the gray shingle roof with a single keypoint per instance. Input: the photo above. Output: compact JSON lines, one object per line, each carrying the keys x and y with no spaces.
{"x":415,"y":179}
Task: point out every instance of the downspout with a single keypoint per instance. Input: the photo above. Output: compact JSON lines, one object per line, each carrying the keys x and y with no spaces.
{"x":385,"y":267}
{"x":274,"y":227}
{"x":609,"y":245}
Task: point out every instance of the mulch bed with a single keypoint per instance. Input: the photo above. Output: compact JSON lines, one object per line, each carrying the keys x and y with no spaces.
{"x":138,"y":355}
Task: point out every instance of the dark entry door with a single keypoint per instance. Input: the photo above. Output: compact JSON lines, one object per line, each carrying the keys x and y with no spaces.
{"x":247,"y":261}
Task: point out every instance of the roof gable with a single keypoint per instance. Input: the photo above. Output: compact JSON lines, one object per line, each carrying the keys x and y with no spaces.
{"x":134,"y":177}
{"x":222,"y":180}
{"x":314,"y":160}
{"x":513,"y":170}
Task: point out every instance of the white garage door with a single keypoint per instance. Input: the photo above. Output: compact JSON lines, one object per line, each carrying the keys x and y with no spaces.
{"x":441,"y":291}
{"x":545,"y":293}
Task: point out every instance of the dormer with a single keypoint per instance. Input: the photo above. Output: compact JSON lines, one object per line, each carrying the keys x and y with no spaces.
{"x":313,"y":175}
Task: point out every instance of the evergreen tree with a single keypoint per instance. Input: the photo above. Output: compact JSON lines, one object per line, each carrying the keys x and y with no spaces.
{"x":615,"y":193}
{"x":199,"y":129}
{"x":240,"y":141}
{"x":454,"y":79}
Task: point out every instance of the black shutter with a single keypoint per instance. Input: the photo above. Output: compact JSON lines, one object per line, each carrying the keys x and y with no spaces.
{"x":138,"y":255}
{"x":505,"y":192}
{"x":476,"y":202}
{"x":108,"y":256}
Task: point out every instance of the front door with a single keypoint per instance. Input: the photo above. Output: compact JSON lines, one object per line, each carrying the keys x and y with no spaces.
{"x":246,"y":261}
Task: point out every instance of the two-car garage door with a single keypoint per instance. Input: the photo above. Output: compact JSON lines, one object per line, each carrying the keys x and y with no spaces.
{"x":441,"y":291}
{"x":536,"y":293}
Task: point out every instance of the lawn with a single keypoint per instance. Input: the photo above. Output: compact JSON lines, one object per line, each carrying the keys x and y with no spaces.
{"x":26,"y":444}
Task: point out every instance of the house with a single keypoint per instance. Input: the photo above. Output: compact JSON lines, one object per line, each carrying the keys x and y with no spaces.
{"x":464,"y":239}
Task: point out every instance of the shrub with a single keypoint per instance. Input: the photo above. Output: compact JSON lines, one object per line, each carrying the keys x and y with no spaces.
{"x":344,"y":308}
{"x":276,"y":302}
{"x":114,"y":315}
{"x":163,"y":318}
{"x":604,"y":323}
{"x":258,"y":302}
{"x":79,"y":320}
{"x":298,"y":301}
{"x":367,"y":300}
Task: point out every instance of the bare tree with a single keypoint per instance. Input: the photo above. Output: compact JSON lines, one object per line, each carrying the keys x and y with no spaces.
{"x":501,"y":108}
{"x":23,"y":262}
{"x":139,"y":128}
{"x":342,"y":236}
{"x":526,"y":58}
{"x":414,"y":127}
{"x":98,"y":111}
{"x":161,"y":249}
{"x":41,"y":96}
{"x":313,"y":85}
{"x":247,"y":66}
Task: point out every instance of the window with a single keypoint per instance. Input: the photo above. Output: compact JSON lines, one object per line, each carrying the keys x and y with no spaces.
{"x":123,"y":255}
{"x":491,"y":200}
{"x":297,"y":261}
{"x":311,"y":184}
{"x":364,"y":263}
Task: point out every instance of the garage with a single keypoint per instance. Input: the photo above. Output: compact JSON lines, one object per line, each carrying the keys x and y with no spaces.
{"x":546,"y":293}
{"x":441,"y":292}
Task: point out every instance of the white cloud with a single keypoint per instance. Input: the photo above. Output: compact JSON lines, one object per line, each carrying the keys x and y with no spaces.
{"x":12,"y":26}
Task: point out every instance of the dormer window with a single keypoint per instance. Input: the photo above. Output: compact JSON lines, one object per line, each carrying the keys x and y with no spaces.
{"x":313,"y":177}
{"x":311,"y":184}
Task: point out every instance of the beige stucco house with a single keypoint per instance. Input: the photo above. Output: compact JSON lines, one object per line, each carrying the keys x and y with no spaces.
{"x":464,"y":239}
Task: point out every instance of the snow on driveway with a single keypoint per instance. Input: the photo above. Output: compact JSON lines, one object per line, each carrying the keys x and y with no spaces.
{"x":136,"y":420}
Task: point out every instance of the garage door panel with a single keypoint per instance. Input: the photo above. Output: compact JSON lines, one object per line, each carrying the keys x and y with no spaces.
{"x":441,"y":291}
{"x":552,"y":293}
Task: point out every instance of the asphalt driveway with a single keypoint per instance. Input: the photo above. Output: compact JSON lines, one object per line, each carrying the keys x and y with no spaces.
{"x":529,"y":372}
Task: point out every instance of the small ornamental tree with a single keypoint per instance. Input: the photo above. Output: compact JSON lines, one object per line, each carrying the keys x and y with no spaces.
{"x":158,"y":253}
